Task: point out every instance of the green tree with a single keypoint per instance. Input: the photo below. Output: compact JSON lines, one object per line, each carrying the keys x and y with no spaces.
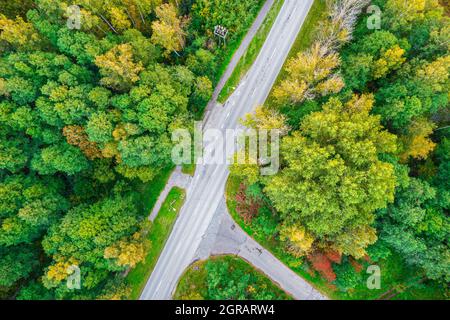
{"x":16,"y":263}
{"x":346,"y":276}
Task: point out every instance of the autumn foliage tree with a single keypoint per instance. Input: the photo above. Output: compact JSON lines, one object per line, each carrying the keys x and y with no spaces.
{"x":322,"y":264}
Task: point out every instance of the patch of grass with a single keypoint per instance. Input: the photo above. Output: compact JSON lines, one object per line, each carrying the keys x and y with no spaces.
{"x":304,"y":38}
{"x":158,"y":234}
{"x":193,"y":284}
{"x":189,"y":169}
{"x":395,"y":274}
{"x":251,"y":53}
{"x":150,"y":191}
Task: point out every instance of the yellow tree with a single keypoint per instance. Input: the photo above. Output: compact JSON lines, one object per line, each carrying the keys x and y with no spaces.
{"x":297,"y":240}
{"x":117,"y":67}
{"x":167,"y":31}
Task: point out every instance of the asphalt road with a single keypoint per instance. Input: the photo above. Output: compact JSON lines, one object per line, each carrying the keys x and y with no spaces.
{"x":208,"y":185}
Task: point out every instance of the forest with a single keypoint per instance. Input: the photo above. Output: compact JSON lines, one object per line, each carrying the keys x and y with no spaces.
{"x":89,"y":97}
{"x":365,"y":169}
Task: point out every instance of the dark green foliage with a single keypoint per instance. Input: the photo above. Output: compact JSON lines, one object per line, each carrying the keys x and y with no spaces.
{"x":346,"y":276}
{"x":379,"y":251}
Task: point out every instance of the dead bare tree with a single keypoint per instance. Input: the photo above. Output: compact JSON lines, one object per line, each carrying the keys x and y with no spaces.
{"x":342,"y":20}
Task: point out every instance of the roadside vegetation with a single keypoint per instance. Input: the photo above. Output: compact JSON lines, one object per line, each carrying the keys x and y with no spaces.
{"x":364,"y":155}
{"x":226,"y":278}
{"x":251,"y":53}
{"x":157,"y":236}
{"x":86,"y":116}
{"x":189,"y":169}
{"x":305,"y":37}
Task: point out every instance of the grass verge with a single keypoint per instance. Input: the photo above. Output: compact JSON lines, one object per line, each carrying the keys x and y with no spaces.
{"x":251,"y":53}
{"x":158,"y":234}
{"x":193,"y":284}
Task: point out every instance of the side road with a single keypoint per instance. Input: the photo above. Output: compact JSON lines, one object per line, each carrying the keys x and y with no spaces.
{"x":227,"y":237}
